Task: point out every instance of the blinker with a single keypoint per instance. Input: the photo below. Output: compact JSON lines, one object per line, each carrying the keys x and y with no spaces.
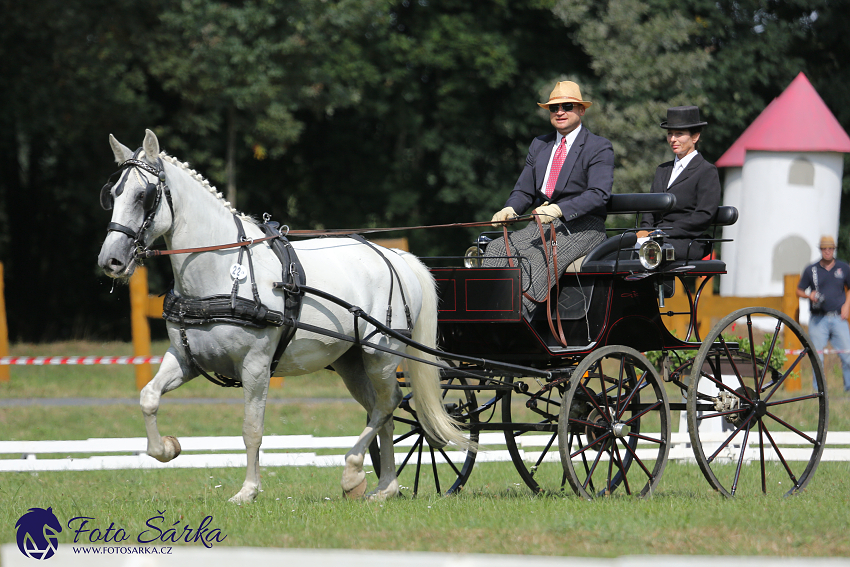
{"x":106,"y":200}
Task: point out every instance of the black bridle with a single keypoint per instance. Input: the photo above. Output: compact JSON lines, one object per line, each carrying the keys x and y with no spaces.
{"x":150,"y":203}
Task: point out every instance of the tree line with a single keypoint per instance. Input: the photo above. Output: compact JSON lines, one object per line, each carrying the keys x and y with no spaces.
{"x":355,"y":113}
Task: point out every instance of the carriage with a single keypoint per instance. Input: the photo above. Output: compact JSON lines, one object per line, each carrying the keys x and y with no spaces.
{"x":587,"y":410}
{"x":566,"y":391}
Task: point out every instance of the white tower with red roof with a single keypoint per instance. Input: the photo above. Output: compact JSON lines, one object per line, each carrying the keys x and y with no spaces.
{"x":784,"y":176}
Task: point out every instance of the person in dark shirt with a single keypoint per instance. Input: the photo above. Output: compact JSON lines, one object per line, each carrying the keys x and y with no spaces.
{"x":826,"y":284}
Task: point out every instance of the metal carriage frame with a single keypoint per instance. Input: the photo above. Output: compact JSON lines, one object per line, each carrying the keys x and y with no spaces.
{"x":596,"y":417}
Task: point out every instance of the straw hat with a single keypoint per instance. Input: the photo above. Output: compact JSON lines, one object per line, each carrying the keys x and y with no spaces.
{"x":565,"y":91}
{"x":826,"y":242}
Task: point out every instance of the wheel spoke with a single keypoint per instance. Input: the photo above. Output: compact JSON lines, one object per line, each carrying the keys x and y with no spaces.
{"x":729,"y":439}
{"x":638,"y":389}
{"x":409,"y":454}
{"x":620,"y":386}
{"x":449,"y":461}
{"x":643,"y":413}
{"x":731,"y":360}
{"x":590,"y":446}
{"x":769,"y":355}
{"x":589,"y":478}
{"x":740,"y":460}
{"x":791,"y":475}
{"x":587,"y":472}
{"x":704,"y":416}
{"x":752,"y":350}
{"x":622,"y":466}
{"x":418,"y":467}
{"x":592,"y":398}
{"x":404,"y":436}
{"x":791,"y":428}
{"x":804,"y":353}
{"x":637,"y":459}
{"x":543,"y":453}
{"x":434,"y":468}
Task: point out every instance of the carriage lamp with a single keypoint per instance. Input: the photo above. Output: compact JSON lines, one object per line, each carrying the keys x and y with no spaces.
{"x":472,"y":257}
{"x":650,"y":254}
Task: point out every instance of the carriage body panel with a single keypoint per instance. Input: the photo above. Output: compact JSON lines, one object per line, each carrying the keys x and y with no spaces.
{"x":480,"y":312}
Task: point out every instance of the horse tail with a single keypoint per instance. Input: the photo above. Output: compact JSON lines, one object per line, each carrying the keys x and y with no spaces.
{"x":424,"y":377}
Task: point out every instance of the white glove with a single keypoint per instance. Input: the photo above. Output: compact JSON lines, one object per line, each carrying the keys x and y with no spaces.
{"x":548,"y":213}
{"x":503,"y":215}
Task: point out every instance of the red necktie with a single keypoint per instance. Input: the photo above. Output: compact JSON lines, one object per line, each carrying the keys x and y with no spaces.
{"x":555,"y":170}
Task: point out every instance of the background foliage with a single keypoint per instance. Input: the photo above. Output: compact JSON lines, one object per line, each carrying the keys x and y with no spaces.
{"x":346,"y":113}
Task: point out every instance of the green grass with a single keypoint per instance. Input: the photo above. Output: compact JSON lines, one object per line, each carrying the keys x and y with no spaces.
{"x":303,"y":507}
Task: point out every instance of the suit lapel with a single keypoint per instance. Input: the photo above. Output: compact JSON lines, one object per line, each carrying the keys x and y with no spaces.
{"x":668,"y":172}
{"x":693,"y":165}
{"x":543,"y":161}
{"x":572,"y":157}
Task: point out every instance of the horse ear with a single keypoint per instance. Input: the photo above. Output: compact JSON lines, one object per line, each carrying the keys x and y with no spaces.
{"x":122,"y":153}
{"x":151,"y":146}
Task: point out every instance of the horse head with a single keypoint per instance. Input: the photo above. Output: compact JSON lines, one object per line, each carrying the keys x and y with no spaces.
{"x":134,"y":193}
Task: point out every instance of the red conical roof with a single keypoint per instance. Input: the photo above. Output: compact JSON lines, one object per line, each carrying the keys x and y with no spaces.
{"x":796,"y":121}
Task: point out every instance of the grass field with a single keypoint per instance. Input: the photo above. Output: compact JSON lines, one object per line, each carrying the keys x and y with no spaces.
{"x":303,"y":507}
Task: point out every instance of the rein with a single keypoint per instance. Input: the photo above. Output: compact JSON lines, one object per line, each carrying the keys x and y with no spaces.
{"x":147,"y":253}
{"x":347,"y":231}
{"x":552,"y":260}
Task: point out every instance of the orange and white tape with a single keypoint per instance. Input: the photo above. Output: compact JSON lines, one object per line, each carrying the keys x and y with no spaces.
{"x":85,"y":360}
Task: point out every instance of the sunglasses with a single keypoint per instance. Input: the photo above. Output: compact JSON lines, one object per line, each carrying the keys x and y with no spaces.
{"x":567,"y":106}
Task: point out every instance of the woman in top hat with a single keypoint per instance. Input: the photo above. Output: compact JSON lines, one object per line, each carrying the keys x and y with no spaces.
{"x":567,"y":178}
{"x":693,"y":181}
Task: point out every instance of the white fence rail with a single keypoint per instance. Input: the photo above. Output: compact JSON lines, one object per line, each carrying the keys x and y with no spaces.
{"x":299,"y":450}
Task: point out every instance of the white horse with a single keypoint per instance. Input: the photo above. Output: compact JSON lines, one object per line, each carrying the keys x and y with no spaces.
{"x":195,"y":215}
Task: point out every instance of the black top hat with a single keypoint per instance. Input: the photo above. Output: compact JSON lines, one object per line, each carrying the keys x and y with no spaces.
{"x":682,"y":118}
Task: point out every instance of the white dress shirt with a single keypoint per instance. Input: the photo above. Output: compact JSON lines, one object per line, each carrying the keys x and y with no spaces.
{"x":571,"y":137}
{"x":679,"y":166}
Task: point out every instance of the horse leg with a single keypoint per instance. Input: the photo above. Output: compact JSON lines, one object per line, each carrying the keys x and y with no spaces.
{"x":256,"y":389}
{"x":388,"y":482}
{"x":171,"y":375}
{"x":379,"y":397}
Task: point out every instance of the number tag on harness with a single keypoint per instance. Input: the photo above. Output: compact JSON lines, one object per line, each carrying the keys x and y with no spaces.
{"x":237,"y":272}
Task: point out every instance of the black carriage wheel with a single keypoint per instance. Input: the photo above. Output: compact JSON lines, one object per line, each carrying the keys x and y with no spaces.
{"x":614,"y":427}
{"x":744,"y":409}
{"x":424,"y":463}
{"x":531,"y":408}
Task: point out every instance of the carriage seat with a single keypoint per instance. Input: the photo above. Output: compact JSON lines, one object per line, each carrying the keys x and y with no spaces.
{"x":625,"y":203}
{"x":600,"y":258}
{"x":725,"y":216}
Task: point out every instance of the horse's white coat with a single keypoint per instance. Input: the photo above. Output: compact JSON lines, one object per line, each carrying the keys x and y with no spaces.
{"x":339,"y":266}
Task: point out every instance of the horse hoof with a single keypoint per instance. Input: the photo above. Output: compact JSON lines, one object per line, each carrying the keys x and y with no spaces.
{"x":172,"y":445}
{"x":356,"y":492}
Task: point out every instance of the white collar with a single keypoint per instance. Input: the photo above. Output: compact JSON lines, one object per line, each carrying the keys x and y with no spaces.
{"x":571,"y":137}
{"x":685,"y":160}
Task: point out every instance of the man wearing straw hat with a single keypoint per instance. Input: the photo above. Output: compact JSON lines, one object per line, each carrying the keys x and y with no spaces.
{"x":567,"y":180}
{"x":826,"y":284}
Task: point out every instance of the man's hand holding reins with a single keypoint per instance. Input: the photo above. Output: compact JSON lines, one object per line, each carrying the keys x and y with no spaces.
{"x":503,"y":215}
{"x":548,"y":213}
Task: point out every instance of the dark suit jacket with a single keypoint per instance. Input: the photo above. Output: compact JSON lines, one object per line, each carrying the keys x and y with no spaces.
{"x":697,"y":191}
{"x":584,"y":184}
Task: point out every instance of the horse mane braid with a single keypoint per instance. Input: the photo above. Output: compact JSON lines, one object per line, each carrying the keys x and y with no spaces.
{"x":205,"y":183}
